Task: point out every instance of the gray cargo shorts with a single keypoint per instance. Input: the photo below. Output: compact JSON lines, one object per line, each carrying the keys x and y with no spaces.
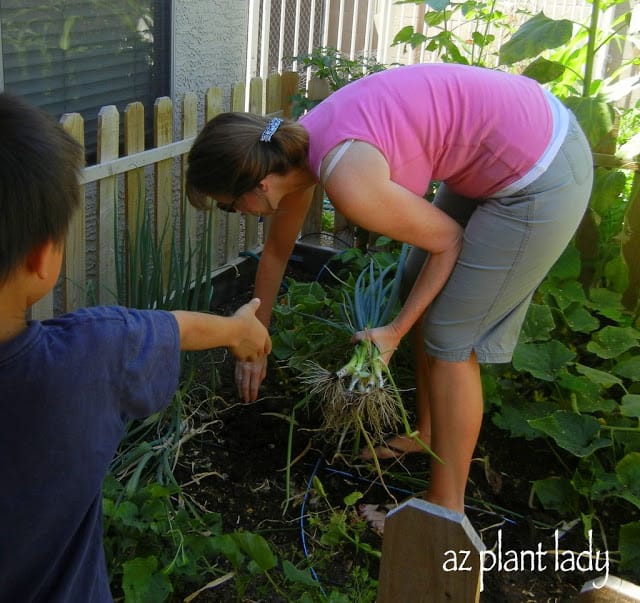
{"x":510,"y":243}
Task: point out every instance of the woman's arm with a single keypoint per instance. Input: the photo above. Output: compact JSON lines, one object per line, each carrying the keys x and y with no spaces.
{"x":284,"y":228}
{"x":361,"y":189}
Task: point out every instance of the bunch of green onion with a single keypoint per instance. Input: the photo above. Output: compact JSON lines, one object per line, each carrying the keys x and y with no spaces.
{"x":362,"y":394}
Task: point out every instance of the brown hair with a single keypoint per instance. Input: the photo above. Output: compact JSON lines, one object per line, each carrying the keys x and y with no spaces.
{"x":39,"y":188}
{"x":229,"y":158}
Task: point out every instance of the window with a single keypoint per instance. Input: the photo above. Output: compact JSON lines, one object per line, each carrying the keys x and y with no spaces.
{"x":78,"y":55}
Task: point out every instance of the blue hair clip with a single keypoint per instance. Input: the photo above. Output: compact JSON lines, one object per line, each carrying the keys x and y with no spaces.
{"x":270,"y":129}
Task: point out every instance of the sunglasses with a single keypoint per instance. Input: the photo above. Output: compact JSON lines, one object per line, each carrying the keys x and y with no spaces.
{"x":230,"y":208}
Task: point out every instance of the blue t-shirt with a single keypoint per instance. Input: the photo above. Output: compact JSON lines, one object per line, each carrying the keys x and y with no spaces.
{"x":67,"y":388}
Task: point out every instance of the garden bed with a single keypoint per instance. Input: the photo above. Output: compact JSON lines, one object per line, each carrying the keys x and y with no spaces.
{"x":241,"y":462}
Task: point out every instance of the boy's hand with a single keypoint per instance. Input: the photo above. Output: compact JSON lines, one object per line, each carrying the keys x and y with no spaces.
{"x":253,"y":341}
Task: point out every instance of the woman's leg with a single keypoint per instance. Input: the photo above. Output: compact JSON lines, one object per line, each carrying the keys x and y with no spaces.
{"x":456,"y":407}
{"x":449,"y":406}
{"x":421,"y":370}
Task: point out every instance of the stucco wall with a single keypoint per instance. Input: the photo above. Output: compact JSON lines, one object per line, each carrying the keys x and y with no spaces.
{"x":209,"y":44}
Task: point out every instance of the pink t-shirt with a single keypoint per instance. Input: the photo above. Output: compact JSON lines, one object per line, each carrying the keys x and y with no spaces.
{"x":476,"y":129}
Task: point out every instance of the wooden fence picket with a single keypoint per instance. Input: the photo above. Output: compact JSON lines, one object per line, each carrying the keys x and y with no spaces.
{"x":189,"y":129}
{"x":419,"y":539}
{"x":256,"y":105}
{"x":232,"y":230}
{"x":214,"y":105}
{"x":163,"y":184}
{"x":134,"y":189}
{"x":74,"y":270}
{"x":214,"y":102}
{"x":256,"y":96}
{"x":107,"y":204}
{"x":318,"y":90}
{"x":274,"y":93}
{"x":273,"y":105}
{"x":290,"y":82}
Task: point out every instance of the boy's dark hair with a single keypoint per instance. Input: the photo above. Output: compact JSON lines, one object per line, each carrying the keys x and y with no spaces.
{"x":39,"y":188}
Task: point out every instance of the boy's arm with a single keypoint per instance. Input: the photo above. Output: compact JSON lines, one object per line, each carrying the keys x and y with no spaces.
{"x":243,"y":333}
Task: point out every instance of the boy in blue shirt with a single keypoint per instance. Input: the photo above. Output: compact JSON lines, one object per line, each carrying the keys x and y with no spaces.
{"x":69,"y":385}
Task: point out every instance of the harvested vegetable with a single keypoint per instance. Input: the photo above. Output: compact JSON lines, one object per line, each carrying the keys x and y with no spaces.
{"x":362,"y":394}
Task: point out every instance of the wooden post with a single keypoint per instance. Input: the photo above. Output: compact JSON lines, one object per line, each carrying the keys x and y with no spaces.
{"x":423,"y":546}
{"x":609,"y":589}
{"x":273,"y":105}
{"x":289,"y":81}
{"x":134,"y":184}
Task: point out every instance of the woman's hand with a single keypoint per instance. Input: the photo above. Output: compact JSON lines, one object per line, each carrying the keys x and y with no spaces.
{"x":385,"y":338}
{"x":249,"y":376}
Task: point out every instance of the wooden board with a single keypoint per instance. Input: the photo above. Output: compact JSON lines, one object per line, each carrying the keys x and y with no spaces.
{"x":609,"y":589}
{"x":420,"y":541}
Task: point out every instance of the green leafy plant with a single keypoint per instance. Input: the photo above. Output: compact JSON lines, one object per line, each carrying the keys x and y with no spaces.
{"x":165,"y":547}
{"x":152,"y":533}
{"x":333,"y":67}
{"x":574,"y":382}
{"x":303,"y":324}
{"x":148,"y":278}
{"x":153,"y":545}
{"x":343,"y":525}
{"x":562,"y":54}
{"x":445,"y":22}
{"x":574,"y":375}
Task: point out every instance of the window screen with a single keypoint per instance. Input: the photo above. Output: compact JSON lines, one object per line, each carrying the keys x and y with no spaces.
{"x":79,"y":55}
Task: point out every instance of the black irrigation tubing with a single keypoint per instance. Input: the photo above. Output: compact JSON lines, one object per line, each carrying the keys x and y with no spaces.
{"x":326,"y":234}
{"x":399,"y":490}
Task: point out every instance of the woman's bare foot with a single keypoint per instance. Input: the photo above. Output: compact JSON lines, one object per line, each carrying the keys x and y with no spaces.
{"x":375,"y":515}
{"x":395,"y":448}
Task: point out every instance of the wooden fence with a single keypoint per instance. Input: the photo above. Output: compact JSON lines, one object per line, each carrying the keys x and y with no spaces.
{"x":117,"y":188}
